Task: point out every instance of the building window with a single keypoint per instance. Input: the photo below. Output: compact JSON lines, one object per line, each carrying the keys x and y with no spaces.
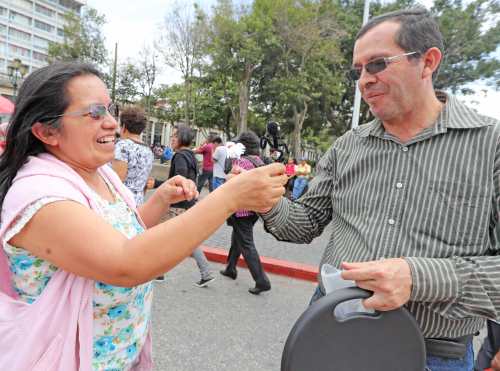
{"x":40,"y":56}
{"x":45,"y":11}
{"x":19,"y":18}
{"x":3,"y":28}
{"x":26,"y":4}
{"x":60,"y":32}
{"x":44,"y":26}
{"x":20,"y":35}
{"x":23,"y":52}
{"x":40,"y":42}
{"x":3,"y":11}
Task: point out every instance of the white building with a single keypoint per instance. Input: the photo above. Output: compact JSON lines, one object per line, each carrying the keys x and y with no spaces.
{"x":26,"y":28}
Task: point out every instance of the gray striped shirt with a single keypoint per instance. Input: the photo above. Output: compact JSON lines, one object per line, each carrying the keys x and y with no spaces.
{"x":433,"y":200}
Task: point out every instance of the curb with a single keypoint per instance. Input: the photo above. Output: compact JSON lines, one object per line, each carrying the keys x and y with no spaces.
{"x":270,"y":265}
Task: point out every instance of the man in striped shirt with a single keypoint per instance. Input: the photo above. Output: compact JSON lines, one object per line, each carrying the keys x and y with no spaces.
{"x":413,"y":196}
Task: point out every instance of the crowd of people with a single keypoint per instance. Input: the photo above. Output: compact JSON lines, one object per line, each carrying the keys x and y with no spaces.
{"x":413,"y":198}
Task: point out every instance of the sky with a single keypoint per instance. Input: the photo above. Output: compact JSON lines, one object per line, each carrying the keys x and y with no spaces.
{"x":133,"y":26}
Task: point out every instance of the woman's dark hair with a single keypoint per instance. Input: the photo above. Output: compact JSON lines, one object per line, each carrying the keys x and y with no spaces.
{"x":185,"y":135}
{"x":42,"y":96}
{"x":217,"y":140}
{"x":419,"y":31}
{"x":133,"y":119}
{"x":251,"y":142}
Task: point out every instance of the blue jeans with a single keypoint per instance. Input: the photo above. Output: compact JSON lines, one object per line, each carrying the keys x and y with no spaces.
{"x":217,"y":182}
{"x":449,"y":364}
{"x":298,"y":187}
{"x":433,"y":363}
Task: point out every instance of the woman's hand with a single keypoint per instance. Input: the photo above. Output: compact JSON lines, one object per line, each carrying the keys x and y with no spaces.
{"x":257,"y":189}
{"x":177,"y":189}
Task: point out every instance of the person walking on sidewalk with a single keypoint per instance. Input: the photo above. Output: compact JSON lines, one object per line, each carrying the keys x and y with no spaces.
{"x":207,"y":170}
{"x":413,"y":196}
{"x":219,"y":158}
{"x":184,"y":163}
{"x":243,"y":221}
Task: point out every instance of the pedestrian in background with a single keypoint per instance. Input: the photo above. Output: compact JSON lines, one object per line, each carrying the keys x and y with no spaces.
{"x":207,"y":169}
{"x":243,"y":221}
{"x":219,"y":157}
{"x":133,"y":159}
{"x":184,"y":163}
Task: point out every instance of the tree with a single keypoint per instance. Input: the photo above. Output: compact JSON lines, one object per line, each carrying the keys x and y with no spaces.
{"x":306,"y":43}
{"x":128,"y":75}
{"x":83,"y":39}
{"x":236,"y":43}
{"x":181,"y":44}
{"x":147,"y":68}
{"x":471,"y":34}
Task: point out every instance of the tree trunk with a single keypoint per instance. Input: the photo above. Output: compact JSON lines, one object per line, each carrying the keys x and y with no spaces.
{"x":187,"y":92}
{"x":298,"y":120}
{"x":244,"y":92}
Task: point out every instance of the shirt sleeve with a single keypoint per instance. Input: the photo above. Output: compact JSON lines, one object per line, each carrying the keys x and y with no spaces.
{"x":302,"y":221}
{"x":25,"y":216}
{"x":121,"y":151}
{"x":463,"y":286}
{"x":217,"y":154}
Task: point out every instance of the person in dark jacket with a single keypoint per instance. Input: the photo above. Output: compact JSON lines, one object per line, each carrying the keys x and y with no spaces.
{"x":184,"y":163}
{"x":243,"y":222}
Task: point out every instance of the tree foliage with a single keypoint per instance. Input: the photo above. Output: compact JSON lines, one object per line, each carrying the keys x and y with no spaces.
{"x":286,"y":61}
{"x":83,"y":38}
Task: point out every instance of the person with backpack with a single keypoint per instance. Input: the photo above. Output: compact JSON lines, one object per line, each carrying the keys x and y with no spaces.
{"x":184,"y":163}
{"x":243,"y":222}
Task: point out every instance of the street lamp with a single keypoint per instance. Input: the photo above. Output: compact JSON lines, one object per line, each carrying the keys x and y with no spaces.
{"x":16,"y":70}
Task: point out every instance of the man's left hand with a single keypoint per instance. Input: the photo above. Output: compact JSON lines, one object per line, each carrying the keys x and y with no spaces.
{"x":389,"y":279}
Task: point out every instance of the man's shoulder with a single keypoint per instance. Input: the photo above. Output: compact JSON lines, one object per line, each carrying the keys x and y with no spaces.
{"x":462,"y":116}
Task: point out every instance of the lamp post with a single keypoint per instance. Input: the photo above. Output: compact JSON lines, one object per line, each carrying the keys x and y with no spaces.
{"x":16,"y":70}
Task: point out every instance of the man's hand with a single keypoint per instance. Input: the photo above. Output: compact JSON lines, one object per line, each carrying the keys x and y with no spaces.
{"x":389,"y":279}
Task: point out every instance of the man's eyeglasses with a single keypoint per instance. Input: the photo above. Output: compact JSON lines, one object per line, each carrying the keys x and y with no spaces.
{"x":375,"y":66}
{"x":95,"y":111}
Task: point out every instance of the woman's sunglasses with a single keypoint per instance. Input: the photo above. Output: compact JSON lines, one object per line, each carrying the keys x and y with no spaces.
{"x":376,"y":65}
{"x":95,"y":111}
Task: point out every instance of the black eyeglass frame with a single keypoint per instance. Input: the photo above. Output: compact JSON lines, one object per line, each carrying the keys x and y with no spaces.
{"x":376,"y":65}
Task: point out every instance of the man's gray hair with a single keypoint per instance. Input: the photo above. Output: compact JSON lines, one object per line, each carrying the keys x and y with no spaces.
{"x":418,"y":33}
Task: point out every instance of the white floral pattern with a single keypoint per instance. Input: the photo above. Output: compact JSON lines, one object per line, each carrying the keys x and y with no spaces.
{"x":139,"y":159}
{"x":121,"y":315}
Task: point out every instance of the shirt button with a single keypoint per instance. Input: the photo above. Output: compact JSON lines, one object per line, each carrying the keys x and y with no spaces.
{"x":404,"y":149}
{"x":391,"y":221}
{"x":399,"y":185}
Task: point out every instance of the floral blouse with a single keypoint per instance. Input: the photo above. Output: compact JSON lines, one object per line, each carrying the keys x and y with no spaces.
{"x":121,"y":315}
{"x":139,"y":159}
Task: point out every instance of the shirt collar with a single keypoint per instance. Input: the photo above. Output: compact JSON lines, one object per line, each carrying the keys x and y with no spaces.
{"x":454,"y":115}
